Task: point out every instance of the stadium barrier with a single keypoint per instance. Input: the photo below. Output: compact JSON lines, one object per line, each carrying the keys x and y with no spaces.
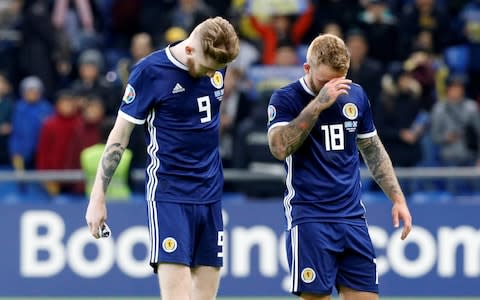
{"x":47,"y":250}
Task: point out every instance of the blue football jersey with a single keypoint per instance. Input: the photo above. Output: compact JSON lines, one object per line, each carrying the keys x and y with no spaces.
{"x":323,"y":175}
{"x":181,"y":117}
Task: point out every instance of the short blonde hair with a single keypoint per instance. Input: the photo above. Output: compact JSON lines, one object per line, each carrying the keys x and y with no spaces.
{"x":328,"y":49}
{"x":218,"y":39}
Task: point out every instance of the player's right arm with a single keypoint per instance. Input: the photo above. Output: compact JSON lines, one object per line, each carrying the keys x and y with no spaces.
{"x":117,"y":142}
{"x":285,"y":140}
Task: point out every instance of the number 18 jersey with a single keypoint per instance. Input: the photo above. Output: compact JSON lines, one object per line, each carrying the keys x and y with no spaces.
{"x":323,"y":175}
{"x":181,"y":118}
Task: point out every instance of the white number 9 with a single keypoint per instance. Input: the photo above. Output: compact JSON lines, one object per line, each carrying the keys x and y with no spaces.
{"x":204,"y":105}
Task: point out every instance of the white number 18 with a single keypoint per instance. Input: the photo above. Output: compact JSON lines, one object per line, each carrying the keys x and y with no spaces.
{"x":334,"y":139}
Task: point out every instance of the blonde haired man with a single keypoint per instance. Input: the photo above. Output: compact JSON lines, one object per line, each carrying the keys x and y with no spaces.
{"x":176,"y":94}
{"x":317,"y":125}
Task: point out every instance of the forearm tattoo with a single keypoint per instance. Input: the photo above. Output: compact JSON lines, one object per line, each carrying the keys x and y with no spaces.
{"x":294,"y":134}
{"x":323,"y":96}
{"x":380,"y":165}
{"x":110,"y":160}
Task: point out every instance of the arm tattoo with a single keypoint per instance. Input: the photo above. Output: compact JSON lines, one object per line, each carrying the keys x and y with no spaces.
{"x":380,"y":165}
{"x":322,"y":96}
{"x":294,"y":134}
{"x":110,"y":160}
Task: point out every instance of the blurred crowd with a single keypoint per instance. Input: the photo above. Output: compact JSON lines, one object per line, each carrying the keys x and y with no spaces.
{"x":64,"y":65}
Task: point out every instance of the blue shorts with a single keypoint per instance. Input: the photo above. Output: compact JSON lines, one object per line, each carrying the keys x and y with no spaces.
{"x":187,"y":234}
{"x":324,"y":255}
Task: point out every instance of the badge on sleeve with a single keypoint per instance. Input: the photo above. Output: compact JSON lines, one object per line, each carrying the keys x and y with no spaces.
{"x":272,"y":112}
{"x":129,"y":95}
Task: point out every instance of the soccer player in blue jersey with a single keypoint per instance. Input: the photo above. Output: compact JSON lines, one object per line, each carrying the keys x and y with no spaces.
{"x":176,"y":93}
{"x":317,"y":125}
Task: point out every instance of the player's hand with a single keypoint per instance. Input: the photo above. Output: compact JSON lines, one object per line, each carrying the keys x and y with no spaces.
{"x":95,"y":216}
{"x":331,"y":90}
{"x":400,"y":212}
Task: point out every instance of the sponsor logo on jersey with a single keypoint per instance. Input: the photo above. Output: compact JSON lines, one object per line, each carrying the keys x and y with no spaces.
{"x":272,"y":112}
{"x":350,"y":111}
{"x":169,"y":245}
{"x":308,"y":275}
{"x":178,"y":89}
{"x":129,"y":95}
{"x":217,"y":80}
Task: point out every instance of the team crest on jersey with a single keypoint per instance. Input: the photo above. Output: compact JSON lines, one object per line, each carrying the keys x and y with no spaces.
{"x":169,"y":244}
{"x":350,"y":111}
{"x":272,"y":112}
{"x":308,"y":275}
{"x":217,"y":80}
{"x":129,"y":95}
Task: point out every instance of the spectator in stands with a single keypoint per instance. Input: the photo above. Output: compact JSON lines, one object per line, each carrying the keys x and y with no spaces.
{"x":10,"y":18}
{"x":189,"y":13}
{"x":421,"y":65}
{"x":424,"y":15}
{"x":364,"y":70}
{"x":89,"y":158}
{"x":380,"y":28}
{"x":221,"y":7}
{"x":92,"y":83}
{"x":88,"y":133}
{"x":6,"y":110}
{"x":470,"y":32}
{"x":456,"y":125}
{"x":78,"y":22}
{"x":400,"y":122}
{"x":281,"y":30}
{"x":148,"y":17}
{"x":37,"y":45}
{"x":249,"y":52}
{"x":251,"y":144}
{"x":55,"y":138}
{"x":235,"y":108}
{"x":333,"y":28}
{"x":29,"y":114}
{"x":286,"y":55}
{"x":342,"y":13}
{"x":141,"y":45}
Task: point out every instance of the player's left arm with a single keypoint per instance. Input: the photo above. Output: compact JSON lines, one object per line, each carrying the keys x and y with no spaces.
{"x":381,"y":168}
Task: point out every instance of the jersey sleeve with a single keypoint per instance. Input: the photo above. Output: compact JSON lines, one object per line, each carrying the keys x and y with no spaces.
{"x":366,"y":127}
{"x":139,"y":95}
{"x":279,"y":112}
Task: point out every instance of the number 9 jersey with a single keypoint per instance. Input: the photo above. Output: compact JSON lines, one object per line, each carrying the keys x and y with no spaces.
{"x":323,"y":175}
{"x":181,"y":118}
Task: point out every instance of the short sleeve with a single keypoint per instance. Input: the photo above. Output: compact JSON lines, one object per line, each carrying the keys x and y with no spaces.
{"x":279,"y":111}
{"x":366,"y":127}
{"x":139,"y":95}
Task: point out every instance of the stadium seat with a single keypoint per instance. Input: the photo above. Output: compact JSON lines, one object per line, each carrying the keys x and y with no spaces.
{"x":457,"y":58}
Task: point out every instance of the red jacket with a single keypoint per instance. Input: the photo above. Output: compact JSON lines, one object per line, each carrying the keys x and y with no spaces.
{"x":54,"y":141}
{"x":270,"y":39}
